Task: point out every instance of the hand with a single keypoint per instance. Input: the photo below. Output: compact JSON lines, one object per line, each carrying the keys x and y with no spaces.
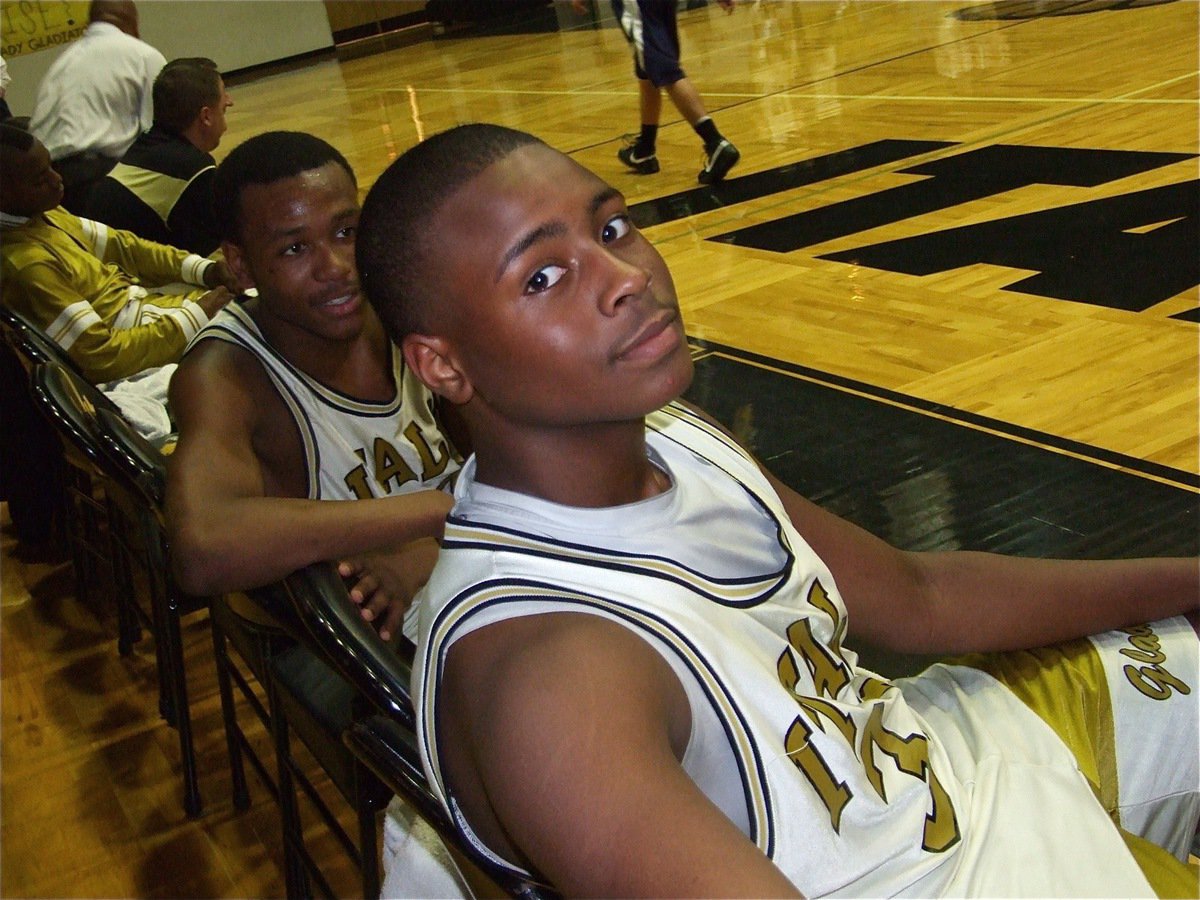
{"x":220,"y":275}
{"x":727,"y":5}
{"x":580,"y":6}
{"x":214,"y":300}
{"x":386,"y":581}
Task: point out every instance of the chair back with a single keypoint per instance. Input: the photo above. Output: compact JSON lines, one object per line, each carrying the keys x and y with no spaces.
{"x":386,"y":742}
{"x":34,"y":346}
{"x":133,"y":458}
{"x":70,"y":403}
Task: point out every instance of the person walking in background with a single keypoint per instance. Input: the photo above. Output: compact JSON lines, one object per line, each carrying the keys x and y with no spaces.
{"x":96,"y":98}
{"x":161,"y":189}
{"x":652,"y":30}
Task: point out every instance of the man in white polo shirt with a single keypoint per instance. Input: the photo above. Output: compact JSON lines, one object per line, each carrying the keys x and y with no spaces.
{"x":96,"y":98}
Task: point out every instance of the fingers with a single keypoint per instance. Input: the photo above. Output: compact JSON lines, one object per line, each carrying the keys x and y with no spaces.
{"x":219,"y":274}
{"x":366,"y":593}
{"x":351,"y":568}
{"x":214,"y":300}
{"x":392,"y":620}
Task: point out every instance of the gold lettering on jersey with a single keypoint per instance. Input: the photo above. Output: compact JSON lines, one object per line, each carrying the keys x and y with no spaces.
{"x":391,"y":469}
{"x":390,"y":466}
{"x":833,"y":793}
{"x":829,"y":672}
{"x":1152,"y":678}
{"x":830,"y":675}
{"x":823,"y":709}
{"x":432,"y":465}
{"x":911,"y":756}
{"x":356,"y":480}
{"x":818,"y":597}
{"x":872,"y":688}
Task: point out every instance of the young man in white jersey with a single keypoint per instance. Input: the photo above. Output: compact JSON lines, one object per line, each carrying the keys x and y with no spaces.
{"x":296,"y":397}
{"x":632,"y":676}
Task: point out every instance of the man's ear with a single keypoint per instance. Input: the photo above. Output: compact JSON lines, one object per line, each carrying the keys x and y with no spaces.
{"x":431,"y":359}
{"x":237,"y":264}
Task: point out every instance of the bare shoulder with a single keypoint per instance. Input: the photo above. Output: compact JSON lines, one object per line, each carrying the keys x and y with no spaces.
{"x":518,"y":653}
{"x":565,"y":735}
{"x":215,"y":365}
{"x":250,"y":416}
{"x":590,"y":683}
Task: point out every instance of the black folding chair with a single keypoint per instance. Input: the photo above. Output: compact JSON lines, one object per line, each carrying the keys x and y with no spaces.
{"x":69,"y":405}
{"x":384,"y":739}
{"x":305,"y":699}
{"x":133,"y":474}
{"x":34,"y":346}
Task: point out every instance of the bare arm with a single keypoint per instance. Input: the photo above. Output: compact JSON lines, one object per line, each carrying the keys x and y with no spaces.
{"x":230,"y":529}
{"x":959,"y":601}
{"x":579,"y":774}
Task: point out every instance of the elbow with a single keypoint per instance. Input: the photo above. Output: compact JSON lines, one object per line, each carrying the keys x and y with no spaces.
{"x":196,"y":561}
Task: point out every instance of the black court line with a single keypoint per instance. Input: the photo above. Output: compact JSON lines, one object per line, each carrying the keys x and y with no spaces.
{"x":1017,"y":432}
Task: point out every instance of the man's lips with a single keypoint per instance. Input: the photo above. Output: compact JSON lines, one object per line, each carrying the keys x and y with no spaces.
{"x":653,"y":338}
{"x":341,"y":299}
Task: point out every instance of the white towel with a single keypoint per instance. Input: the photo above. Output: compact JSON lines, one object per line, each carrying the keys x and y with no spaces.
{"x":415,"y":861}
{"x":142,"y":399}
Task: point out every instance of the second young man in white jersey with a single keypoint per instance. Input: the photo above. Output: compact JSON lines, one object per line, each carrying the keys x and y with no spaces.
{"x":296,"y":397}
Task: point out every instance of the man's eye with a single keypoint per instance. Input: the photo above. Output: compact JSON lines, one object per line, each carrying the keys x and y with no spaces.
{"x":348,"y":232}
{"x":615,"y":228}
{"x":293,"y":249}
{"x":544,"y":279}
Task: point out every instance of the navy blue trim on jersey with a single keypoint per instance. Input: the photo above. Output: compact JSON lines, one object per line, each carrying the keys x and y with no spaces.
{"x":669,"y":634}
{"x":330,"y":396}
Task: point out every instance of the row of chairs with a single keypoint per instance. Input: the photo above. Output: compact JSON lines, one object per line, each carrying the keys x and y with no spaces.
{"x":296,"y":653}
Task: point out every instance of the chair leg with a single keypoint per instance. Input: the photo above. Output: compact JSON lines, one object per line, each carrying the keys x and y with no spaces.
{"x":73,"y":515}
{"x":129,"y":630}
{"x":295,"y":871}
{"x":368,"y":841}
{"x":237,"y":767}
{"x":172,"y":674}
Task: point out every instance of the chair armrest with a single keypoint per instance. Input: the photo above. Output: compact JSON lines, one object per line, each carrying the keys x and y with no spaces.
{"x":379,"y":671}
{"x":142,"y":463}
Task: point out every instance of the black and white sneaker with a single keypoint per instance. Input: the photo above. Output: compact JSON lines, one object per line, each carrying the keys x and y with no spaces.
{"x":643,"y":165}
{"x":717,"y":164}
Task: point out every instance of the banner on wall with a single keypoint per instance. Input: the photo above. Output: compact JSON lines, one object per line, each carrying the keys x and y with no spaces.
{"x":27,"y":26}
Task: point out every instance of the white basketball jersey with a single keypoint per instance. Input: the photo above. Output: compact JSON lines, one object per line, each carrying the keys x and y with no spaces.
{"x":353,"y":449}
{"x":826,"y":766}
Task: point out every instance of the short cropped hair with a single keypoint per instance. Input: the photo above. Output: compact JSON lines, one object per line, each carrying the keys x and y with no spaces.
{"x":183,"y":88}
{"x":393,"y":241}
{"x":265,"y":159}
{"x":13,"y":137}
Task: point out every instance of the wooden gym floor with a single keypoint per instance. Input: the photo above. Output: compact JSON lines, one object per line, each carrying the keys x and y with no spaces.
{"x":963,"y":235}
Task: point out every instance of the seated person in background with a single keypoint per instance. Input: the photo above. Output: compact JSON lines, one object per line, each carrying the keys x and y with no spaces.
{"x":633,"y":676}
{"x":161,"y":189}
{"x":95,"y":99}
{"x":312,"y":401}
{"x":97,"y":291}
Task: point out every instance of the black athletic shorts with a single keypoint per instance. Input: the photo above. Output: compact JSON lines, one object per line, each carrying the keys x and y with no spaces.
{"x":650,"y":27}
